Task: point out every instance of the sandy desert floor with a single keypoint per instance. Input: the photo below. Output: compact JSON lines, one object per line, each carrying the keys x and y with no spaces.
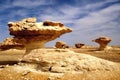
{"x":111,"y":55}
{"x":10,"y":58}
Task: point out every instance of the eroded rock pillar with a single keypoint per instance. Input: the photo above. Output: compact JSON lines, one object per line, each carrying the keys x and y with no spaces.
{"x":103,"y":42}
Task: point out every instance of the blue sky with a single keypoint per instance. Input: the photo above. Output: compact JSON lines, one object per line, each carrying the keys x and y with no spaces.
{"x":89,"y":19}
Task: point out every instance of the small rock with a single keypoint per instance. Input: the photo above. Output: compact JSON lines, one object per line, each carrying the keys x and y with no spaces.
{"x":50,"y":78}
{"x":25,"y":73}
{"x":61,"y":44}
{"x":1,"y":66}
{"x":26,"y":78}
{"x":7,"y":65}
{"x":57,"y":69}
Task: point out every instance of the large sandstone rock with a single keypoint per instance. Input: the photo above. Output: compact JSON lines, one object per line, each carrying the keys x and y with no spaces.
{"x":103,"y":42}
{"x":29,"y":26}
{"x":64,"y":60}
{"x":61,"y":44}
{"x":34,"y":35}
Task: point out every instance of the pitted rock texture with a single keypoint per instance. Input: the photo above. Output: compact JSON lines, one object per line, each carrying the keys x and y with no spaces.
{"x":29,"y":26}
{"x":11,"y":43}
{"x":34,"y":34}
{"x":64,"y":60}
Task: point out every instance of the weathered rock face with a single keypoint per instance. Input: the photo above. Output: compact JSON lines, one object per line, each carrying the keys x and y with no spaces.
{"x":11,"y":43}
{"x":61,"y":44}
{"x":36,"y":34}
{"x":64,"y":60}
{"x":103,"y":42}
{"x":29,"y":26}
{"x":79,"y":45}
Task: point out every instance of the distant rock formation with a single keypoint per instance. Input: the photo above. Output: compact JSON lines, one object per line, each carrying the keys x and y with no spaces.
{"x":79,"y":45}
{"x":103,"y":42}
{"x":61,"y":44}
{"x":34,"y":35}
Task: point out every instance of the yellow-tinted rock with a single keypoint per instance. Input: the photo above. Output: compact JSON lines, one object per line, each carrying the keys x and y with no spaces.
{"x":61,"y":44}
{"x":103,"y":42}
{"x":28,"y":27}
{"x":11,"y":43}
{"x":34,"y":35}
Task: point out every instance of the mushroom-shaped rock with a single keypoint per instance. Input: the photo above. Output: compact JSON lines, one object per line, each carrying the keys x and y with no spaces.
{"x":61,"y":44}
{"x":103,"y":42}
{"x":79,"y":45}
{"x":36,"y":34}
{"x":27,"y":28}
{"x":11,"y":43}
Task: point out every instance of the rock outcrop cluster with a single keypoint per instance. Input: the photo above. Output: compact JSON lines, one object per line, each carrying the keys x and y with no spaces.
{"x":34,"y":34}
{"x":103,"y":42}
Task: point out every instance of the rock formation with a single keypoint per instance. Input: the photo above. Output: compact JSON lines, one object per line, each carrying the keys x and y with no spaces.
{"x":56,"y":63}
{"x":34,"y":35}
{"x":103,"y":42}
{"x":49,"y":23}
{"x":11,"y":43}
{"x":61,"y":44}
{"x":64,"y":60}
{"x":79,"y":45}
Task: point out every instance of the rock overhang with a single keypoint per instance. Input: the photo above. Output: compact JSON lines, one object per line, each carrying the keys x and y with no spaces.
{"x":37,"y":28}
{"x":34,"y":34}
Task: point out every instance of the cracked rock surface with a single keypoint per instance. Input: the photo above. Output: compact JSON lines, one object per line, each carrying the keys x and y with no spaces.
{"x":64,"y":60}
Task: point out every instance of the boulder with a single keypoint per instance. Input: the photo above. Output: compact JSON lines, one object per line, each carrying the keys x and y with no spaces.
{"x":79,"y":45}
{"x":61,"y":44}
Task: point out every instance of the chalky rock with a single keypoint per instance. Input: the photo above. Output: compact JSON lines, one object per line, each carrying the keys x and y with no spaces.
{"x":103,"y":42}
{"x":29,"y":27}
{"x":36,"y":34}
{"x":65,"y":60}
